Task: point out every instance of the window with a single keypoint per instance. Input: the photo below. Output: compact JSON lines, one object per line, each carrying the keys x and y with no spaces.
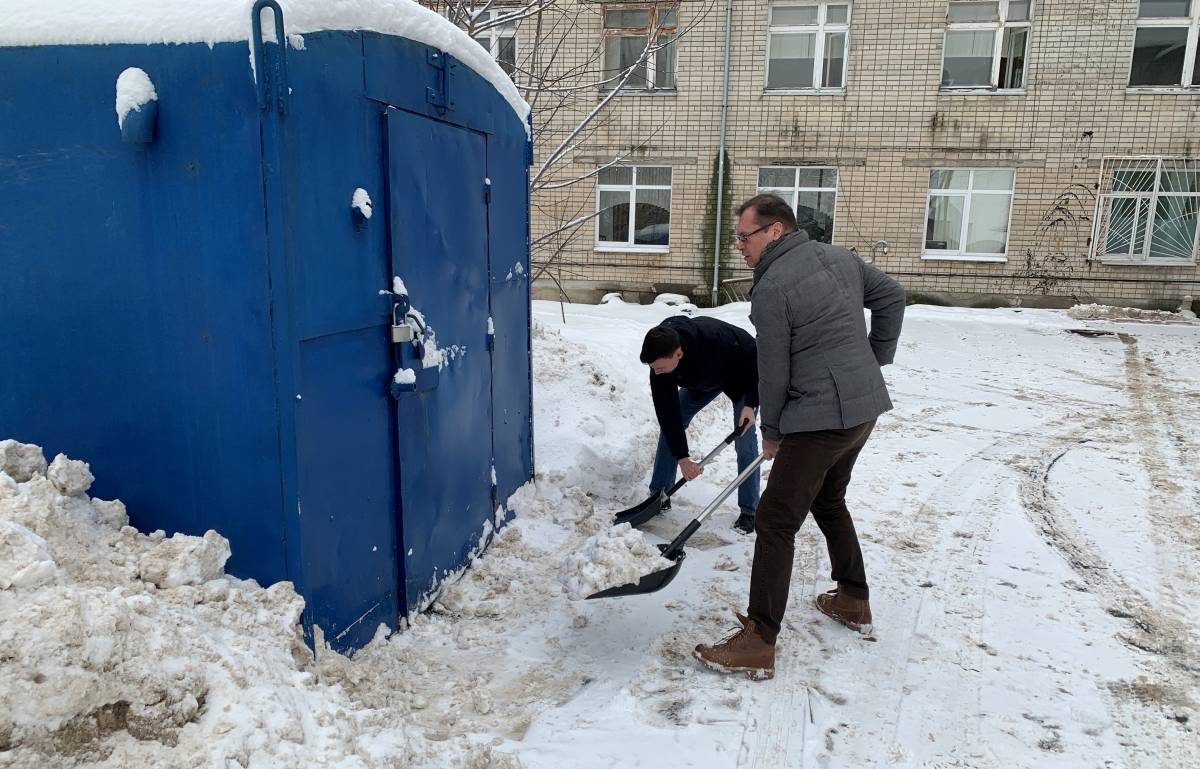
{"x":634,"y":207}
{"x":1164,"y":46}
{"x":968,"y":213}
{"x":986,"y":44}
{"x":811,"y":192}
{"x":1148,"y":211}
{"x":500,"y":40}
{"x":640,"y":38}
{"x":806,"y":46}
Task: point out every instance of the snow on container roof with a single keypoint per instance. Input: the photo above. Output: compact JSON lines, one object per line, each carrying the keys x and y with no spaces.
{"x":98,"y":22}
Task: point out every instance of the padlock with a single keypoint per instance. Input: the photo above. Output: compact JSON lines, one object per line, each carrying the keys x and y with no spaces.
{"x":401,"y":331}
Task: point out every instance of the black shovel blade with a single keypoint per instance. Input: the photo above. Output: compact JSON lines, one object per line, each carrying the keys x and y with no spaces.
{"x":639,"y":514}
{"x":651,"y":583}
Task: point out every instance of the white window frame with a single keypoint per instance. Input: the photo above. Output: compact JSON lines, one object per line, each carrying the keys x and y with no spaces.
{"x":970,"y":193}
{"x":1108,"y":168}
{"x":608,"y":33}
{"x":496,"y":34}
{"x":819,"y":29}
{"x":629,"y":246}
{"x":997,"y":49}
{"x":792,"y":194}
{"x":1192,"y":22}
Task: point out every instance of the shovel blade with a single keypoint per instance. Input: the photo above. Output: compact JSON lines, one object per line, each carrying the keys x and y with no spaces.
{"x":639,"y":514}
{"x":651,"y":583}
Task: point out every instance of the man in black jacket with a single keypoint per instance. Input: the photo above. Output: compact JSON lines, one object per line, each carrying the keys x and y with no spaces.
{"x":692,"y":361}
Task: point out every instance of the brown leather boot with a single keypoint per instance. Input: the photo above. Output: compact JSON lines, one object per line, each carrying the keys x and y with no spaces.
{"x":854,"y":613}
{"x":743,"y":651}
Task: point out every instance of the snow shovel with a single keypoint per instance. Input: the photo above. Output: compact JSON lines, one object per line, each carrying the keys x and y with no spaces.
{"x":657,"y":580}
{"x":639,"y":514}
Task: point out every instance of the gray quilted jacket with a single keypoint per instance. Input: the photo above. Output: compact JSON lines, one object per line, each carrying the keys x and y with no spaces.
{"x":818,"y":369}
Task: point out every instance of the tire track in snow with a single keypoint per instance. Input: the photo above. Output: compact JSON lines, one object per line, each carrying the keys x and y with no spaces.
{"x":1170,"y":656}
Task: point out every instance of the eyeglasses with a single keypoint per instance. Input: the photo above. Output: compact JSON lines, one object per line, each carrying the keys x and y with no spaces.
{"x":742,"y":237}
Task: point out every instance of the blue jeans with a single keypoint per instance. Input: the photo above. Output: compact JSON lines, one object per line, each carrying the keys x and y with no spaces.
{"x":666,"y":467}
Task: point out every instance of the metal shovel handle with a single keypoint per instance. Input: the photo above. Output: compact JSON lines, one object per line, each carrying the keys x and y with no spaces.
{"x":677,"y":544}
{"x":711,"y":455}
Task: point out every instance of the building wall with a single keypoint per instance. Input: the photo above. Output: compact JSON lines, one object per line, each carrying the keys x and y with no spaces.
{"x":883,"y":134}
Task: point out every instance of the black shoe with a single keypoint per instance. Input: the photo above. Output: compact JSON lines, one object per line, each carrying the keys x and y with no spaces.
{"x":744,"y":523}
{"x":666,"y":505}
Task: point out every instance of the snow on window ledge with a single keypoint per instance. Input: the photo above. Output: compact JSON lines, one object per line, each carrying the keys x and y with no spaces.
{"x":1117,"y":262}
{"x":804,"y":92}
{"x":933,"y":256}
{"x":1146,"y":90}
{"x":618,"y":248}
{"x":982,"y":91}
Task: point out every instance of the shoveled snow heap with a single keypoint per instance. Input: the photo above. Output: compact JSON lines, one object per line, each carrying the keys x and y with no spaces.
{"x":615,"y":556}
{"x":120,"y":649}
{"x":1107,"y":312}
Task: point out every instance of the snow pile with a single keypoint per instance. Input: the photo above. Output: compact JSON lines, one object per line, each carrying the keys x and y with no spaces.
{"x":21,"y":461}
{"x":70,"y":476}
{"x":91,"y":22}
{"x":616,"y":556}
{"x":134,"y":91}
{"x":25,"y":560}
{"x":1107,"y":312}
{"x":405,"y":376}
{"x":361,"y":202}
{"x":126,"y":650}
{"x":183,"y":560}
{"x":612,"y":297}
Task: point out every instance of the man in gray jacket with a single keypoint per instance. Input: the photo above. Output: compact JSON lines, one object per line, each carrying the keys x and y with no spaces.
{"x":820,"y":391}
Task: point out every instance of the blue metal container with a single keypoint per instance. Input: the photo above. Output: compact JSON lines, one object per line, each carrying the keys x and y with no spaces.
{"x":202,"y":315}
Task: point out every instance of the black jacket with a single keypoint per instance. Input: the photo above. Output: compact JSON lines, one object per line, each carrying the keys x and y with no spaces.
{"x":716,"y":356}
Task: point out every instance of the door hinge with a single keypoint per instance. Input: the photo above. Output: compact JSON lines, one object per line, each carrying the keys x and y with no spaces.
{"x":445,"y":65}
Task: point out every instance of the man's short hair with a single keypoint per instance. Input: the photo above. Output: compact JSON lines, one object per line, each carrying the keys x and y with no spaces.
{"x":769,"y":209}
{"x":660,"y":342}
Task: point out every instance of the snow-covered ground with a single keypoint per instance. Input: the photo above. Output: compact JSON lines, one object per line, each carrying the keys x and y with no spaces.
{"x":1028,"y":516}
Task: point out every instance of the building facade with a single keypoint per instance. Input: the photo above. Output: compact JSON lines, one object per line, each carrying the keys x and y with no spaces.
{"x":1009,"y":151}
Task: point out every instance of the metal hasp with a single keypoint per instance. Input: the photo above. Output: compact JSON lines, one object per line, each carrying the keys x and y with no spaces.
{"x":270,"y":77}
{"x":219,"y":344}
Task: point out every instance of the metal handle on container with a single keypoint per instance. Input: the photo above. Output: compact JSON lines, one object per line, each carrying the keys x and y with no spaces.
{"x":280,"y":64}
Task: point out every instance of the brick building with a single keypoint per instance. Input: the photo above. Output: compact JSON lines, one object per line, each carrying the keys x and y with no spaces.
{"x":1046,"y":151}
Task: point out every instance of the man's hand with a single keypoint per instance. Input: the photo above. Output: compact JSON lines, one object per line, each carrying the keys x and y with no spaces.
{"x":691,"y":471}
{"x":770,"y":448}
{"x":746,"y":418}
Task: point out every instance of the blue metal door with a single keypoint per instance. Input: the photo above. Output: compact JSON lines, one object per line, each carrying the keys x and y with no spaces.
{"x":437,"y":215}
